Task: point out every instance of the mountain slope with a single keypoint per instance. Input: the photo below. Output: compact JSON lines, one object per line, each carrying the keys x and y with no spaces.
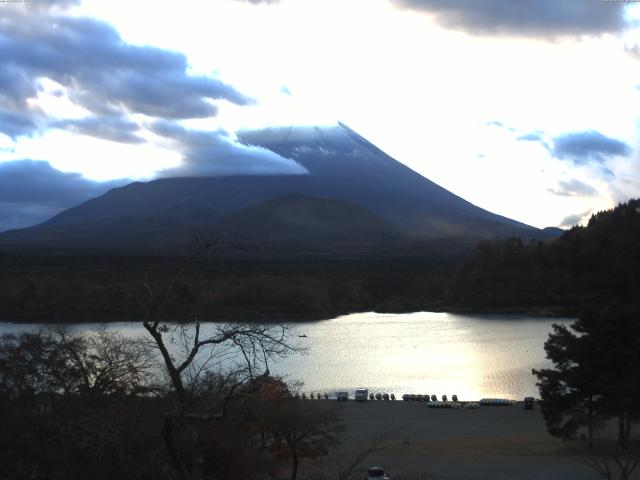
{"x":300,"y":218}
{"x":342,"y":166}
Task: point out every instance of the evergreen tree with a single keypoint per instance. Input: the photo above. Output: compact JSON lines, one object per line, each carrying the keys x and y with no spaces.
{"x":595,"y":375}
{"x":569,"y":391}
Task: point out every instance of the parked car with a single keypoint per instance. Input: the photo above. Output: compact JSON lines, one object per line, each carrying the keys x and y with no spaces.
{"x":361,"y":394}
{"x":377,"y":473}
{"x":529,"y":402}
{"x":500,"y":402}
{"x":342,"y":396}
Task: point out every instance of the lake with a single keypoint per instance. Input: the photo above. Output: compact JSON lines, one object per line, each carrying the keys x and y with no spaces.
{"x":473,"y":356}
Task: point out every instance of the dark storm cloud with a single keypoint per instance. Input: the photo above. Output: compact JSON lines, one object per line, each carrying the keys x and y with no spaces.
{"x":101,"y":72}
{"x":583,"y":148}
{"x":574,"y":188}
{"x":536,"y":18}
{"x":117,"y":129}
{"x":33,"y":191}
{"x":213,"y":153}
{"x":15,"y":124}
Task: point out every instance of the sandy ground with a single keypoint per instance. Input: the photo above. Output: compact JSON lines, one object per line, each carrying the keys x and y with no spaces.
{"x":487,"y":443}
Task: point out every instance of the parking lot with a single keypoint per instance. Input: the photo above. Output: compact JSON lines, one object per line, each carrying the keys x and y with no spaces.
{"x":486,"y":443}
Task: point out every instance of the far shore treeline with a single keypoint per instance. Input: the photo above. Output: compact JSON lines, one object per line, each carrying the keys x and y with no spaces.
{"x":554,"y":277}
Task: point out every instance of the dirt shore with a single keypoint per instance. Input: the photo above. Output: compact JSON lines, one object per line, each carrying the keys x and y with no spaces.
{"x":489,"y":443}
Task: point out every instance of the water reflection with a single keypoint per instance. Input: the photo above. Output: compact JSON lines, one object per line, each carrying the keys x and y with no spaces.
{"x":434,"y":353}
{"x":427,"y":353}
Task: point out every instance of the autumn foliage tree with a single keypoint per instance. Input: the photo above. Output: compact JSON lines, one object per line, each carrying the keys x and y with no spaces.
{"x":295,"y":429}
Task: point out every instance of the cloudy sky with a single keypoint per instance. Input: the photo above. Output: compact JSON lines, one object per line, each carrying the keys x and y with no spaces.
{"x":527,"y":108}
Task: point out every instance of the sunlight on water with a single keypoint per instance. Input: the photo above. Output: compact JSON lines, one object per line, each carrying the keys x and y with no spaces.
{"x":428,"y":353}
{"x":424,"y":352}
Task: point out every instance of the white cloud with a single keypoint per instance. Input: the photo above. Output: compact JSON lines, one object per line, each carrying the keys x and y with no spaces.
{"x":95,"y":158}
{"x":420,"y":92}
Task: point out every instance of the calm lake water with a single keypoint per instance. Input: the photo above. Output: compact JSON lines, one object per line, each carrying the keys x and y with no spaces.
{"x":473,"y":356}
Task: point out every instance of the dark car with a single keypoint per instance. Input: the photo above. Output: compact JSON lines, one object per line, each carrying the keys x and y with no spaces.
{"x":529,"y":403}
{"x":377,"y":473}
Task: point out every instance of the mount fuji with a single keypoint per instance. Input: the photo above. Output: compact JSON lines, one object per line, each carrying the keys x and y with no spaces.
{"x":353,"y":192}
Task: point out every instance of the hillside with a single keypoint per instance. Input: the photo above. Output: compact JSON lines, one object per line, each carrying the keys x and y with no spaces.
{"x":596,"y":263}
{"x":300,"y":218}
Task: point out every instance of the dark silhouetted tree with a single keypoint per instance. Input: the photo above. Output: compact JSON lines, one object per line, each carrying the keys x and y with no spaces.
{"x":239,"y":354}
{"x":595,"y":374}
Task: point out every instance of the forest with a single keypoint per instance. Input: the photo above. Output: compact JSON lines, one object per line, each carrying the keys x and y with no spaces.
{"x":590,"y":265}
{"x":82,"y":288}
{"x":556,"y":277}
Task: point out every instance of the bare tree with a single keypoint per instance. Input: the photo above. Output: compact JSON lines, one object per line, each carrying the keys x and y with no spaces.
{"x":345,"y":465}
{"x":69,"y":402}
{"x":61,"y":363}
{"x":612,"y":461}
{"x":206,"y":370}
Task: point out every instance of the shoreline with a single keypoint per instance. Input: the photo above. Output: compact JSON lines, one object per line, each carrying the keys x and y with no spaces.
{"x":263,"y":317}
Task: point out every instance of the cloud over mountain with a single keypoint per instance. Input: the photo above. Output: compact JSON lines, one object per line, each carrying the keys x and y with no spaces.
{"x":32,"y":191}
{"x":214,"y":153}
{"x":535,"y":18}
{"x":85,"y":62}
{"x":117,"y":129}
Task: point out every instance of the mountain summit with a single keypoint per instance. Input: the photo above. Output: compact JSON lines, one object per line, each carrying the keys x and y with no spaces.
{"x":343,"y":167}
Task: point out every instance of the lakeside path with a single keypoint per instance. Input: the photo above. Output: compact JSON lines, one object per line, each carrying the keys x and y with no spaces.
{"x":489,"y":443}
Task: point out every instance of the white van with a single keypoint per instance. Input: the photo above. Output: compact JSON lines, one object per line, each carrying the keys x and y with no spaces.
{"x":361,"y":394}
